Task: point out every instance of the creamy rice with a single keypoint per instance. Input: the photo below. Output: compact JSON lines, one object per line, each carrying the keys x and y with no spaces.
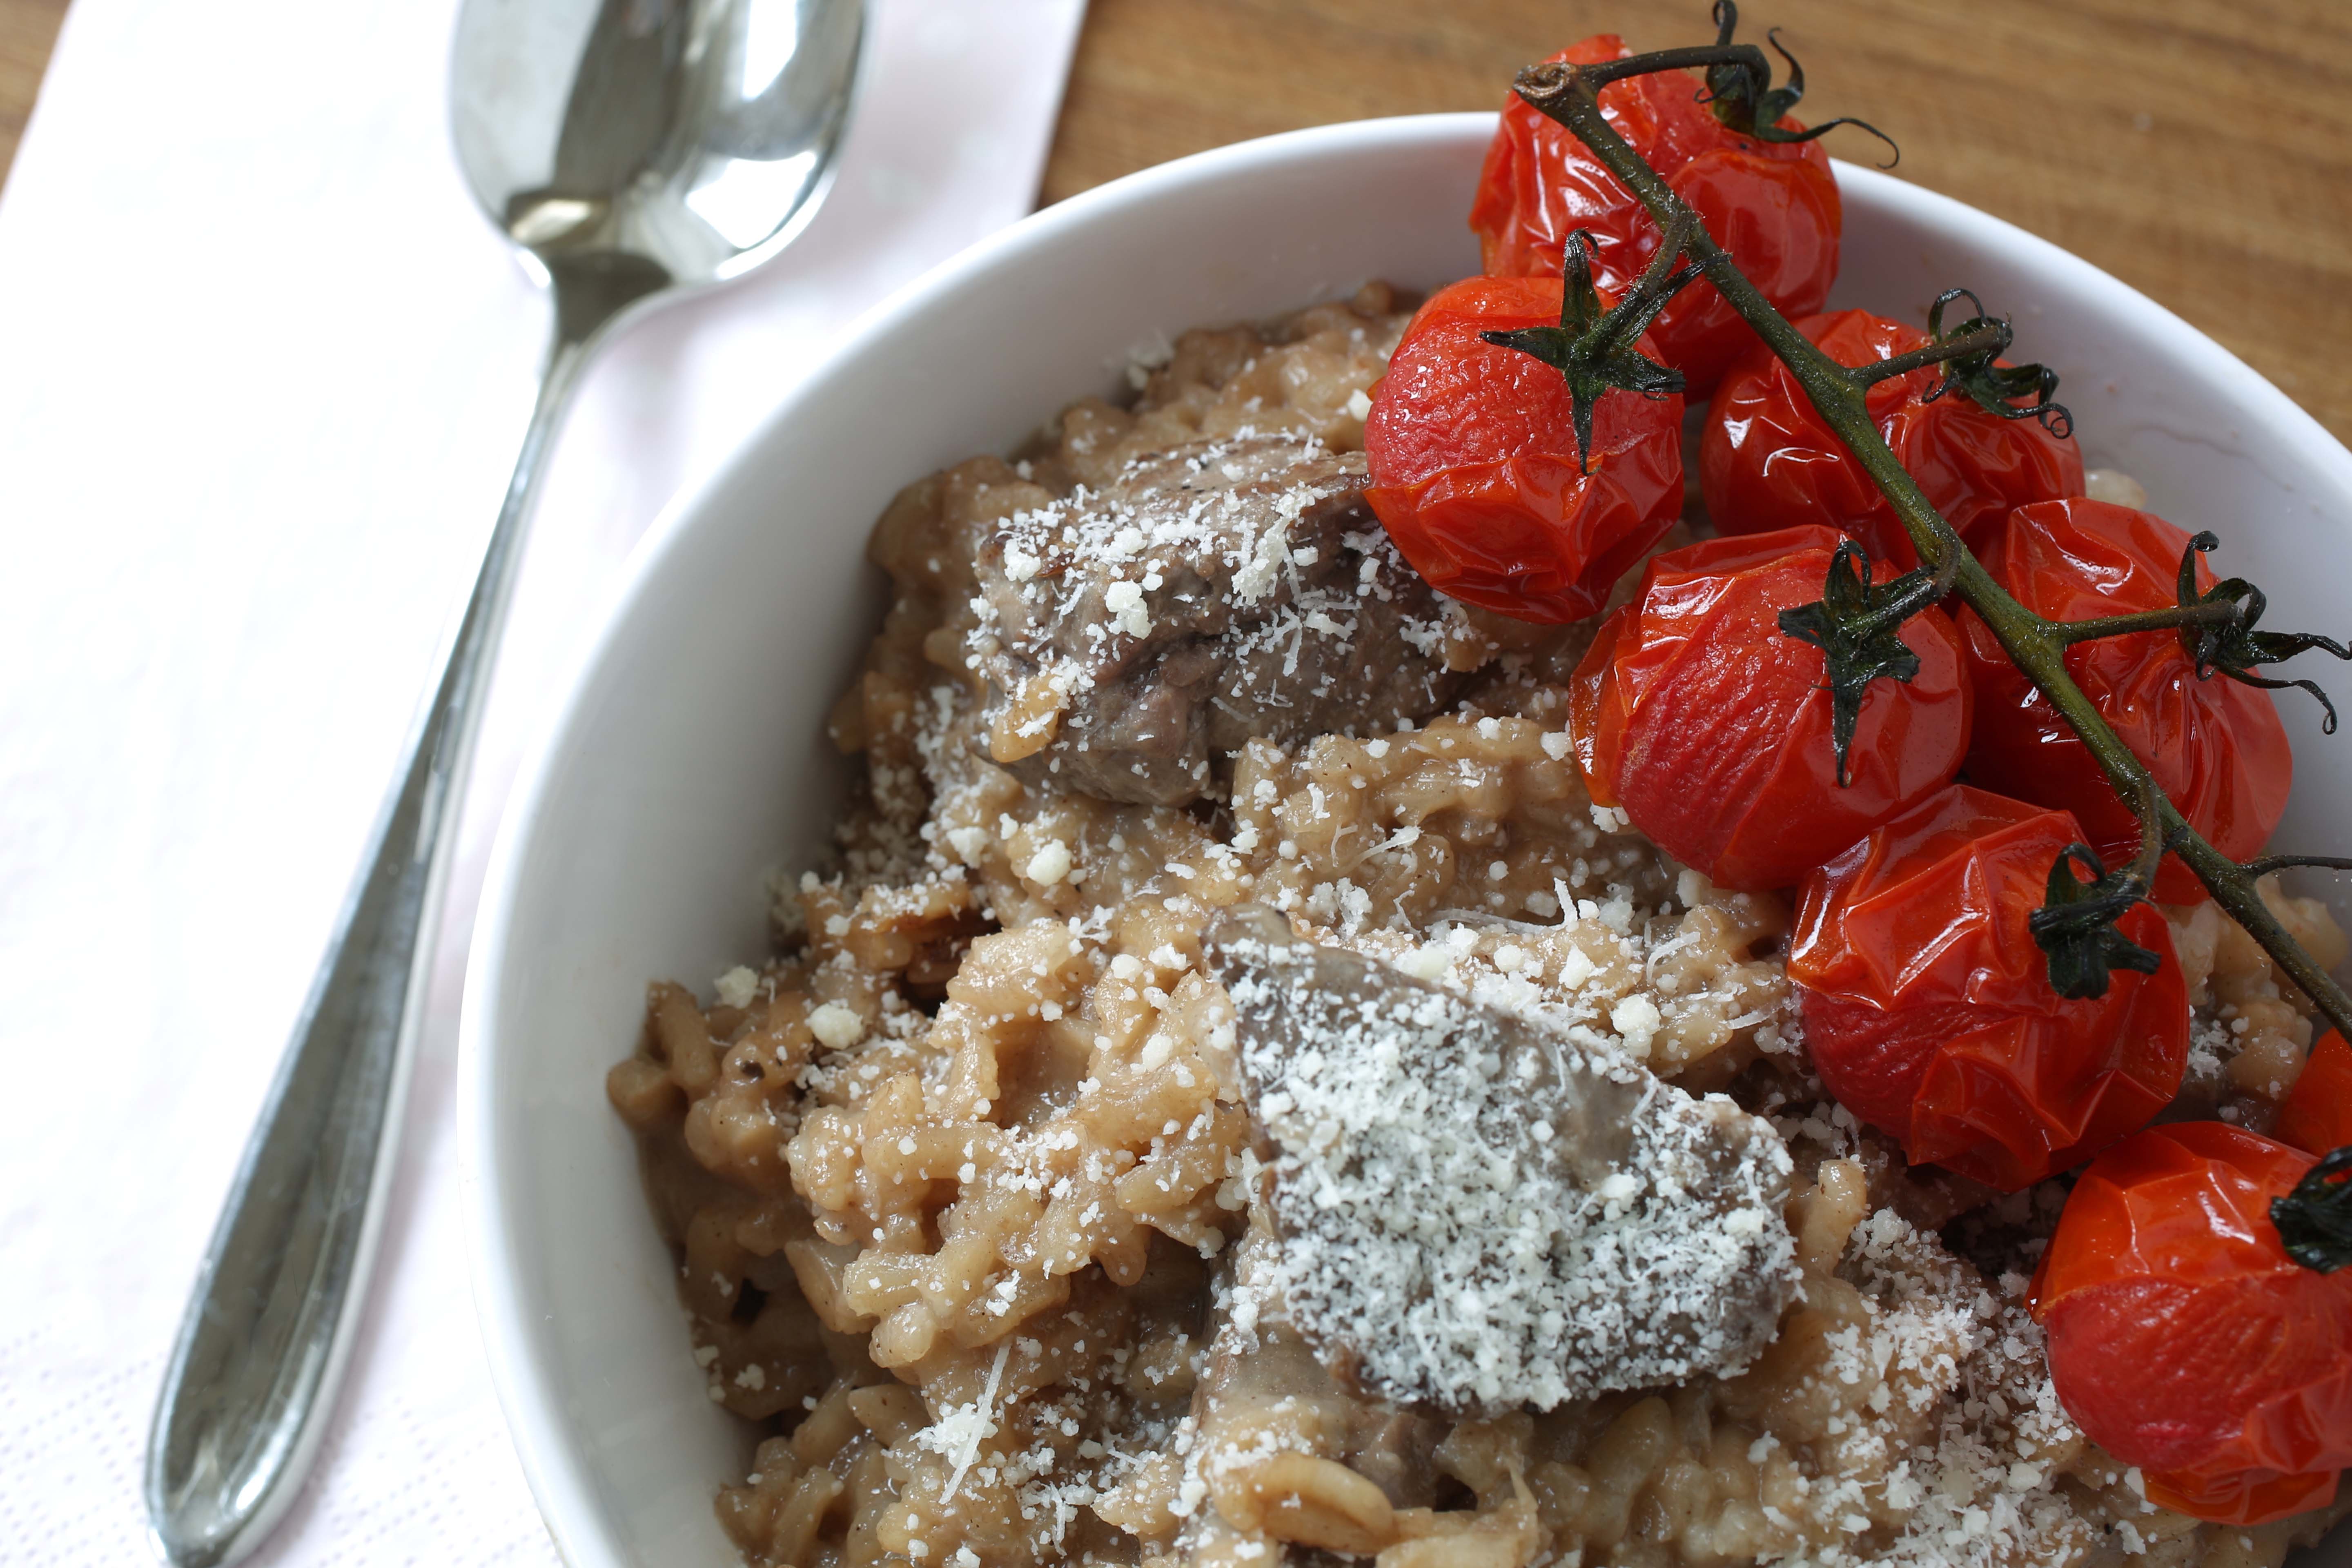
{"x":962,"y":1187}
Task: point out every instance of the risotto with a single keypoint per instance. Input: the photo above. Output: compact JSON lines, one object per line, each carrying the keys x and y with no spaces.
{"x":973,"y":1218}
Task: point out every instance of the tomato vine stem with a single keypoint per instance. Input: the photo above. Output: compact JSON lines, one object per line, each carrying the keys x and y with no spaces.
{"x":1739,"y":91}
{"x":1993,"y":337}
{"x":2212,"y":613}
{"x":1569,"y":94}
{"x":2264,"y":864}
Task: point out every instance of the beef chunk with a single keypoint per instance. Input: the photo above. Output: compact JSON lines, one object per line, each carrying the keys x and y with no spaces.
{"x":1218,"y":590}
{"x":1476,"y":1212}
{"x":1263,"y":1403}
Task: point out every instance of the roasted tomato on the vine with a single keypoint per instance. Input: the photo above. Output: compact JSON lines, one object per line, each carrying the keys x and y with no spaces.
{"x":1767,"y":460}
{"x":1474,"y":471}
{"x":2316,"y":1116}
{"x":2215,"y":746}
{"x":1774,"y":207}
{"x":1928,"y":1005}
{"x":2183,"y":1338}
{"x":1710,"y":727}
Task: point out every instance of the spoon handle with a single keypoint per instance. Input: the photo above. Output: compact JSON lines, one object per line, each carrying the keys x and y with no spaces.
{"x":269,"y":1328}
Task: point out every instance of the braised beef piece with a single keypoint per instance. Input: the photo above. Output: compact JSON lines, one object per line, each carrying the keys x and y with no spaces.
{"x":1262,"y":1393}
{"x":1478,"y":1211}
{"x":1132,"y":635}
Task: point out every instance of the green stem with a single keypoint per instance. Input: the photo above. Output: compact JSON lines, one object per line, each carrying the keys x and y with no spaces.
{"x":1994,"y":337}
{"x":2152,"y":840}
{"x":1567,"y":93}
{"x":2197,"y":615}
{"x":2233,"y":887}
{"x":1695,"y":56}
{"x":1912,"y":593}
{"x":2269,"y":863}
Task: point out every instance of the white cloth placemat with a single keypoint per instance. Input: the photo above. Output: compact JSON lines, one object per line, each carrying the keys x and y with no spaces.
{"x":262,"y":373}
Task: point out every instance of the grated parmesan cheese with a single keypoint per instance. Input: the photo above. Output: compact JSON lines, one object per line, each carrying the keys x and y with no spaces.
{"x":738,"y":987}
{"x":1434,"y":1248}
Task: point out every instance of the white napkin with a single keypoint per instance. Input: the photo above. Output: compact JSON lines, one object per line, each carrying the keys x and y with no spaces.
{"x":262,"y":373}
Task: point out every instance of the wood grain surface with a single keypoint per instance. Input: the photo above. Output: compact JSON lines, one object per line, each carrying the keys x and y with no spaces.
{"x":2202,"y":150}
{"x":28,"y":30}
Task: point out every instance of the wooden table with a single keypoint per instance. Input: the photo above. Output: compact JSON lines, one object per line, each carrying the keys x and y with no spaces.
{"x":2198,"y":149}
{"x":29,"y":28}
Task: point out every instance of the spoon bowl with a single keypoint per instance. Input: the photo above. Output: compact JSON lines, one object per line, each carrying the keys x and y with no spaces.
{"x":691,"y":136}
{"x":629,"y":147}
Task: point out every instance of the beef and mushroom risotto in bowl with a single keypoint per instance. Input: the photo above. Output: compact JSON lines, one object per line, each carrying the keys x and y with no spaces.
{"x":1190,"y":1025}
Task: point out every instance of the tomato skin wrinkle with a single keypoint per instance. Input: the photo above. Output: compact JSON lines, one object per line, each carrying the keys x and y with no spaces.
{"x":1750,"y":797}
{"x":2184,"y":1339}
{"x":1767,"y":460}
{"x":1927,"y":1005}
{"x":1474,"y":471}
{"x":2317,"y":1115}
{"x":2216,"y":747}
{"x":1773,"y":206}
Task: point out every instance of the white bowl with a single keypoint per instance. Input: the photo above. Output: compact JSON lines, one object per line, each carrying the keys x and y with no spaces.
{"x":689,"y":760}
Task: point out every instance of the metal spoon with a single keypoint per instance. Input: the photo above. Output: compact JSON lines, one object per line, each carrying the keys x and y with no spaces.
{"x":630,"y":148}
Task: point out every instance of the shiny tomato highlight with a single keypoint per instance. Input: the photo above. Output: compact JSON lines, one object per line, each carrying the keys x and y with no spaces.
{"x":2316,"y":1117}
{"x":2182,"y":1337}
{"x":2216,"y":747}
{"x":1928,"y":1005}
{"x":1774,"y":207}
{"x":1767,"y":460}
{"x":1474,"y":462}
{"x":1710,"y":726}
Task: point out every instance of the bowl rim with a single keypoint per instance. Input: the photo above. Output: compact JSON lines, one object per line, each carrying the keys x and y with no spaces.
{"x":554,"y":1462}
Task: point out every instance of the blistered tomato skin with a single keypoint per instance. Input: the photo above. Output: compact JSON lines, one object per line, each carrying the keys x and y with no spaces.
{"x":2183,"y":1339}
{"x":1927,"y":1005}
{"x":1710,"y":726}
{"x":1767,"y":460}
{"x":2316,"y":1116}
{"x":1473,"y":463}
{"x":1774,"y":207}
{"x":2216,"y":747}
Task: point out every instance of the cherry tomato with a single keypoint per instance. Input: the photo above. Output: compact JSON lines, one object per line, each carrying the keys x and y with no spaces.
{"x":1474,"y":461}
{"x":2216,"y":747}
{"x":2184,"y":1340}
{"x":1767,"y":459}
{"x":1710,"y":727}
{"x":1773,"y":206}
{"x":1928,"y":1009}
{"x":2317,"y":1115}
